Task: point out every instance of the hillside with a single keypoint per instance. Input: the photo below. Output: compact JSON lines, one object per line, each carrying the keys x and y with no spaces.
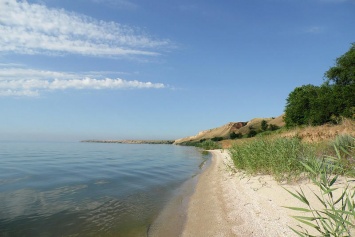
{"x":233,"y":127}
{"x":326,"y":132}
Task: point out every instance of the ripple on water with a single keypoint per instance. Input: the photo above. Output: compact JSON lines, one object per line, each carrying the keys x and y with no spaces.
{"x":86,"y":189}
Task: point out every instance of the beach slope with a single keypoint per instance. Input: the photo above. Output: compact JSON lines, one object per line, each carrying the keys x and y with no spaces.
{"x":227,"y":204}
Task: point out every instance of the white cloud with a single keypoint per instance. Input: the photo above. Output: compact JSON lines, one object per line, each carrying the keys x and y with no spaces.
{"x":118,"y":3}
{"x":35,"y":29}
{"x":314,"y":30}
{"x":30,"y":82}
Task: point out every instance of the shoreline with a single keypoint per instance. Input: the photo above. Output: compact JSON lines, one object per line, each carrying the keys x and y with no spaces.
{"x":151,"y":142}
{"x":172,"y":219}
{"x":225,"y":203}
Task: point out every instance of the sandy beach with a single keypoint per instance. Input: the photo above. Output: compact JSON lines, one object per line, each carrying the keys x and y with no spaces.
{"x":226,"y":203}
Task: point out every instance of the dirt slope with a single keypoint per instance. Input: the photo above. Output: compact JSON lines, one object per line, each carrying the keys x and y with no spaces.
{"x":236,"y":127}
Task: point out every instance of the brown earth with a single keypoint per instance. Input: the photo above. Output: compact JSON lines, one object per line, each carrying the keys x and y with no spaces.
{"x":236,"y":127}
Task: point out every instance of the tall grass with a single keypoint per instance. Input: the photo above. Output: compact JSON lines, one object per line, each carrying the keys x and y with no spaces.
{"x":288,"y":158}
{"x":280,"y":157}
{"x":337,"y":215}
{"x":205,"y":144}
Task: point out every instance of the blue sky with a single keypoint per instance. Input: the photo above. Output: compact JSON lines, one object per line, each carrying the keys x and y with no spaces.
{"x":159,"y":69}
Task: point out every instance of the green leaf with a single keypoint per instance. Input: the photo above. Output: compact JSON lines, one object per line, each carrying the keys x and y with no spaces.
{"x":301,"y":234}
{"x":340,"y":198}
{"x":329,"y":190}
{"x":333,"y":180}
{"x":298,"y":209}
{"x":301,"y":219}
{"x":308,"y":168}
{"x":324,"y":204}
{"x":299,"y":196}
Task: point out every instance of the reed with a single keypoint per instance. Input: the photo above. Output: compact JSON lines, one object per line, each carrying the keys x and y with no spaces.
{"x":337,"y":215}
{"x":280,"y":157}
{"x":289,"y":158}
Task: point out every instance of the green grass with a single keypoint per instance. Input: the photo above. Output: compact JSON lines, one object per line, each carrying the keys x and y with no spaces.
{"x":280,"y":157}
{"x":288,"y":158}
{"x":204,"y":144}
{"x":336,"y":217}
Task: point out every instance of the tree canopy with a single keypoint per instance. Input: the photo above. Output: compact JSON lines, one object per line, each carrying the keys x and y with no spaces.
{"x":343,"y":73}
{"x":316,"y":105}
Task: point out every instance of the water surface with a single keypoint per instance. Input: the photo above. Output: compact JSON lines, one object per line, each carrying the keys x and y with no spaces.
{"x":88,"y":189}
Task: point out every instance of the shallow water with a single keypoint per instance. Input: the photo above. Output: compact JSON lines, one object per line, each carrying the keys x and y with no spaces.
{"x":88,"y":189}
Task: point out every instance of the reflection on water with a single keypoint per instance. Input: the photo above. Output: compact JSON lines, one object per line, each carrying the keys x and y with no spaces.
{"x":81,"y":189}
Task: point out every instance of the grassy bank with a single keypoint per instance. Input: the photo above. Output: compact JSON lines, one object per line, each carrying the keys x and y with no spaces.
{"x":204,"y":144}
{"x":290,"y":159}
{"x":280,"y":157}
{"x":284,"y":158}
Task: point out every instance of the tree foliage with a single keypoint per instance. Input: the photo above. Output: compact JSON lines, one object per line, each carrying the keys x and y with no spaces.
{"x":315,"y":105}
{"x":234,"y":135}
{"x":264,"y":125}
{"x":343,"y":73}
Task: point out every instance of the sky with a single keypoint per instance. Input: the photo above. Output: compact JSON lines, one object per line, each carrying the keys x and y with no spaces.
{"x":160,"y":69}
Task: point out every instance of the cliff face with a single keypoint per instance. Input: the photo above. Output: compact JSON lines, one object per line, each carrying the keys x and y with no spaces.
{"x":223,"y":131}
{"x":236,"y":127}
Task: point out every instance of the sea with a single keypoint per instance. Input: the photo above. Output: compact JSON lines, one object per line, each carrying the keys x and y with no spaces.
{"x":90,"y":189}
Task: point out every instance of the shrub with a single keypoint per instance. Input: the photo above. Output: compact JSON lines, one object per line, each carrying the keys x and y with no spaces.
{"x":264,"y":125}
{"x":216,"y":139}
{"x":273,"y":127}
{"x":234,"y":135}
{"x":209,"y":145}
{"x":252,"y":133}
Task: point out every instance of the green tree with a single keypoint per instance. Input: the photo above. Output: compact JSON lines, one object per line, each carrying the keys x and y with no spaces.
{"x":264,"y":125}
{"x":298,"y":105}
{"x":252,"y":133}
{"x":273,"y":127}
{"x":343,"y":73}
{"x":234,"y":135}
{"x":315,"y":105}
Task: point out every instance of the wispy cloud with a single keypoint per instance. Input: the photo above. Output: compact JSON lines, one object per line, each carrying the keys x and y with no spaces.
{"x":122,"y":4}
{"x":35,"y":29}
{"x":314,"y":30}
{"x":30,"y":82}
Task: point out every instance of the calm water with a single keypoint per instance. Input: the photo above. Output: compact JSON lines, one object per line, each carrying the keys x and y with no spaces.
{"x":88,"y":189}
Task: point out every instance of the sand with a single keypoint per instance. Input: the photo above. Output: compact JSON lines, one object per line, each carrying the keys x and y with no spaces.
{"x":228,"y":203}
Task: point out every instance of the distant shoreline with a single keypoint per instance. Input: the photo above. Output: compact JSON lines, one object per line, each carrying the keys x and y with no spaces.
{"x":132,"y":141}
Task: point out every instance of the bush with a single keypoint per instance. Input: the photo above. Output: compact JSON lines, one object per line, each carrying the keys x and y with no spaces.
{"x":234,"y":135}
{"x":216,"y":139}
{"x":273,"y":127}
{"x":209,"y":145}
{"x":264,"y":125}
{"x":252,"y":133}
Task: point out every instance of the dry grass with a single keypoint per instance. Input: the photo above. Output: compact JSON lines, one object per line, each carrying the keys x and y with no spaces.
{"x":322,"y":133}
{"x":312,"y":134}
